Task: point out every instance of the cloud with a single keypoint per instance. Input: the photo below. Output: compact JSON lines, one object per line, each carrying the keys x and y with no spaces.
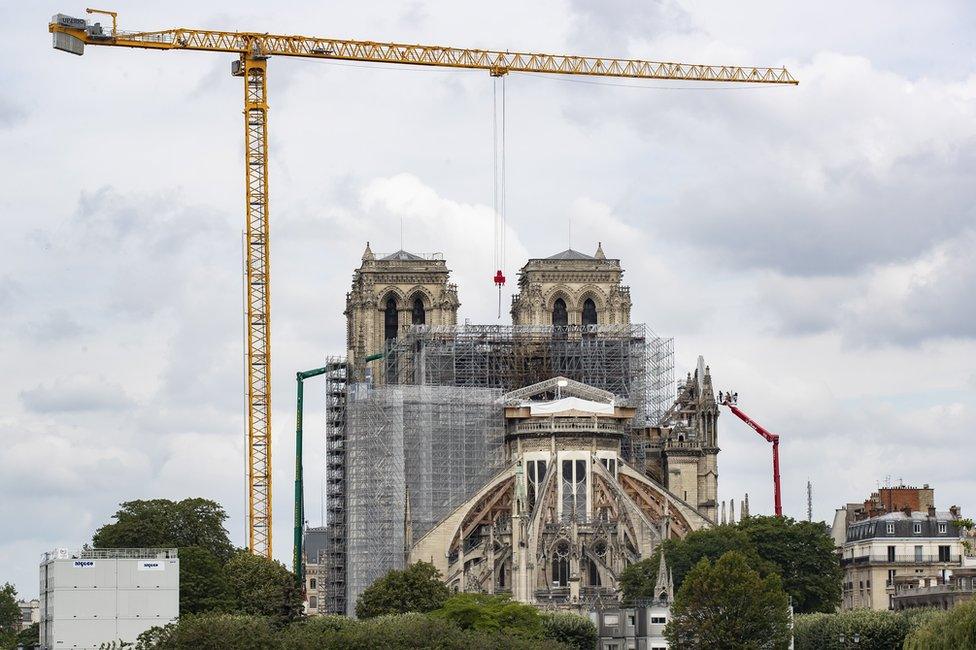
{"x":906,"y":304}
{"x":75,"y":394}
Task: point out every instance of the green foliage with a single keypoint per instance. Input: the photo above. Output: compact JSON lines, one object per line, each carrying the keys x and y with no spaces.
{"x":29,"y":637}
{"x":951,"y":630}
{"x":875,"y":630}
{"x":711,"y":543}
{"x":637,"y":580}
{"x":418,"y":588}
{"x":727,"y":605}
{"x":964,"y":524}
{"x":162,"y":523}
{"x":492,"y":614}
{"x":571,"y":629}
{"x":9,"y":611}
{"x":211,"y":631}
{"x":390,"y":632}
{"x":802,"y":553}
{"x":314,"y":633}
{"x":263,"y":587}
{"x":203,"y":582}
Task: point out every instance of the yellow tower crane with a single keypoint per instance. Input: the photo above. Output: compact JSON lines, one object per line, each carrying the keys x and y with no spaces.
{"x":253,"y":49}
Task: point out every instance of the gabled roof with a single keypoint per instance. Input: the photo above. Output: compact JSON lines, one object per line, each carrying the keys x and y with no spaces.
{"x":567,"y":387}
{"x":570,"y":254}
{"x":402,"y":255}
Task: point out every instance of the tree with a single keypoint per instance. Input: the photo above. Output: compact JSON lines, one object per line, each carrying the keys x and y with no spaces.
{"x":710,"y":543}
{"x":637,"y":580}
{"x":263,"y":587}
{"x":9,"y":612}
{"x":203,"y":582}
{"x":161,"y":523}
{"x":951,"y":630}
{"x":29,"y":637}
{"x":198,"y":631}
{"x":492,"y":614}
{"x":727,"y":605}
{"x":418,"y":588}
{"x":572,"y":629}
{"x":802,"y":553}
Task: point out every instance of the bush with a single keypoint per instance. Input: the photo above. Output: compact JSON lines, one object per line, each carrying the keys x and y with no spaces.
{"x":571,"y":629}
{"x":951,"y":630}
{"x":418,"y":588}
{"x":397,"y":632}
{"x":492,"y":614}
{"x":314,"y":633}
{"x":204,"y":631}
{"x":876,"y":630}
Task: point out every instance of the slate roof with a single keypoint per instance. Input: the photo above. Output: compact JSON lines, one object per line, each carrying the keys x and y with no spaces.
{"x":570,"y":254}
{"x":402,"y":255}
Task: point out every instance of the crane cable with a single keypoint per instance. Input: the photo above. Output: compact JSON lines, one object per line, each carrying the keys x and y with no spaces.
{"x":498,"y":175}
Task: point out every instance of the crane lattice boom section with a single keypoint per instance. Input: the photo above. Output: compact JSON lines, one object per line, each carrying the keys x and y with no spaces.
{"x":250,"y":43}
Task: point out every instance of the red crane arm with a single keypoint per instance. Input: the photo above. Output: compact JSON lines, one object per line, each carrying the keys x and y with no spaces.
{"x":770,"y":437}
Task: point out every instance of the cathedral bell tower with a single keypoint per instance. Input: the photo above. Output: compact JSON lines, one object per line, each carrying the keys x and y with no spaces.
{"x":389,"y":294}
{"x":571,"y":288}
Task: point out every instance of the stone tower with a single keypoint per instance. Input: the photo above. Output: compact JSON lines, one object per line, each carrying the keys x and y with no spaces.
{"x":389,"y":294}
{"x":571,"y":288}
{"x":690,"y":444}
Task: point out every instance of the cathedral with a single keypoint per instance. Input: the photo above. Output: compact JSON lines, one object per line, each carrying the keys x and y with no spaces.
{"x":536,"y":459}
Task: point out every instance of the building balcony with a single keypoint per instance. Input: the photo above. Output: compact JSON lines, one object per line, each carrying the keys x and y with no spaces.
{"x":901,"y":559}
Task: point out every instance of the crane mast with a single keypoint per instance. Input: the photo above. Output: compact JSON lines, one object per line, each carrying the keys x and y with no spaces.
{"x":253,"y":49}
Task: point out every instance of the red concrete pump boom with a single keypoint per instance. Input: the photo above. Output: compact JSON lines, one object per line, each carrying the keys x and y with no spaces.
{"x":730,"y":401}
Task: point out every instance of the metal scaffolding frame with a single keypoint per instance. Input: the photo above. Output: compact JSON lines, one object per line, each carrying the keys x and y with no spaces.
{"x":413,"y":454}
{"x":334,"y":556}
{"x":402,"y":455}
{"x":628,"y":360}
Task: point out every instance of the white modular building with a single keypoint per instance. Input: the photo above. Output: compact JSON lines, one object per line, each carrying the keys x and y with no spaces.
{"x":97,"y":596}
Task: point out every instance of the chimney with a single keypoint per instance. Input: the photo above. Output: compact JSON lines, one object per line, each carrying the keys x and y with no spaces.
{"x":907,"y":510}
{"x":931,"y":511}
{"x":954,"y":511}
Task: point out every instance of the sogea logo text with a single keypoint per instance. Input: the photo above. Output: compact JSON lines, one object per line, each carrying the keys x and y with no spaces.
{"x":84,"y":564}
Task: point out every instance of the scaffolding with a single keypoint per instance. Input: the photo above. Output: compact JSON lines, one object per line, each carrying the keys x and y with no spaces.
{"x":403,"y":454}
{"x":628,"y":360}
{"x":334,"y":555}
{"x":426,"y":445}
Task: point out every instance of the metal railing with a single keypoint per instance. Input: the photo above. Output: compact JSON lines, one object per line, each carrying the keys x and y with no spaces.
{"x":112,"y":554}
{"x":901,"y":559}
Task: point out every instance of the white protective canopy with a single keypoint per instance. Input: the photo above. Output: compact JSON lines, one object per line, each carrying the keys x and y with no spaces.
{"x":573,"y":405}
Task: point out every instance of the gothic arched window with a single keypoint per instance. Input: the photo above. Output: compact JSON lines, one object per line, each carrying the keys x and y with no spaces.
{"x":560,"y":317}
{"x":390,"y":323}
{"x":589,"y":312}
{"x":560,"y":572}
{"x":419,"y":317}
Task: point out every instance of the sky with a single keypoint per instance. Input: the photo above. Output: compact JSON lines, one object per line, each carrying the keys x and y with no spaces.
{"x":814,"y":243}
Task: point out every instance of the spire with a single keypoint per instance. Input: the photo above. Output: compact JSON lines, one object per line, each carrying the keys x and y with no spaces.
{"x":723,"y":521}
{"x":368,"y":254}
{"x":599,"y":251}
{"x":732,"y":511}
{"x":664,"y":587}
{"x":745,"y":506}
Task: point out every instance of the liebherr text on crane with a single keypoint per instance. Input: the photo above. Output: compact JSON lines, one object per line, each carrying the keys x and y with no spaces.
{"x":253,"y":49}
